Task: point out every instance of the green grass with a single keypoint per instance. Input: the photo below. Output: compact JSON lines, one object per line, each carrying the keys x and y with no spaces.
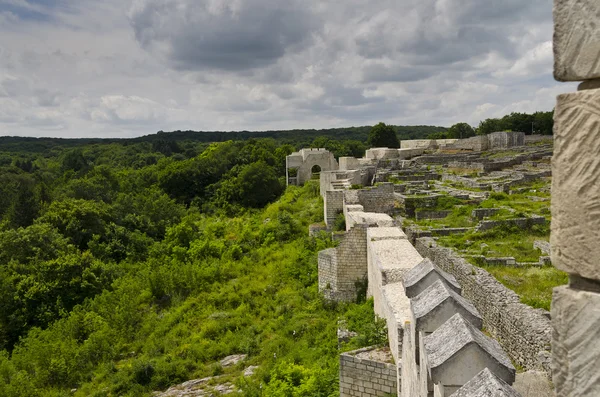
{"x":534,"y":285}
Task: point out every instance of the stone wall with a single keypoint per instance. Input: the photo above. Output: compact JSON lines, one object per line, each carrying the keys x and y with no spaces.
{"x":364,"y":377}
{"x":480,"y":213}
{"x":377,"y":199}
{"x":476,"y":144}
{"x":505,"y":139}
{"x":303,"y":162}
{"x":432,"y":214}
{"x":344,"y":268}
{"x":333,"y":205}
{"x":518,"y":222}
{"x":523,"y":332}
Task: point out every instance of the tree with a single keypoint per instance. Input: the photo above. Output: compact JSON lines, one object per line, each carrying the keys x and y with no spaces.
{"x":254,"y":185}
{"x":26,"y":204}
{"x":382,"y":135}
{"x":488,"y":126}
{"x":461,"y":131}
{"x":543,"y":122}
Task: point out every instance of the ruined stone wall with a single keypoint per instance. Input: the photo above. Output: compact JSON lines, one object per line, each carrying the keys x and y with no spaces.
{"x":476,"y":144}
{"x":327,"y":260}
{"x":523,"y":332}
{"x":344,"y":268}
{"x":432,"y":214}
{"x":333,"y":205}
{"x":505,"y":139}
{"x":377,"y":199}
{"x":361,"y":377}
{"x":518,"y":222}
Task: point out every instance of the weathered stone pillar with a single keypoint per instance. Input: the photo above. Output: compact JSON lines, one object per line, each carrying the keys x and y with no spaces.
{"x":575,"y":234}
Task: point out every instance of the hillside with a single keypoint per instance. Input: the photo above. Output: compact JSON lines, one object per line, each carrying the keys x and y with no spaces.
{"x":124,"y":271}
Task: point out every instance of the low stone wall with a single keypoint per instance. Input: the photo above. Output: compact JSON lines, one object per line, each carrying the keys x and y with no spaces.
{"x":447,"y":231}
{"x":411,"y":203}
{"x":480,"y":213}
{"x":316,"y":228}
{"x":523,"y":332}
{"x":432,"y":214}
{"x":361,"y":376}
{"x":519,"y":222}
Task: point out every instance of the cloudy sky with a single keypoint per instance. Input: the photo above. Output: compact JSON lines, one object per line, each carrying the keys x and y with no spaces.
{"x":120,"y":68}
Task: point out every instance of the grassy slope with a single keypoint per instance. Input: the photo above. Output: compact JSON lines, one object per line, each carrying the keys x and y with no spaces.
{"x":241,"y":285}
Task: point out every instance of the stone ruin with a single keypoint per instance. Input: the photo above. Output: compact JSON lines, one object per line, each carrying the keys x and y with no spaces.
{"x":301,"y":166}
{"x":450,"y":355}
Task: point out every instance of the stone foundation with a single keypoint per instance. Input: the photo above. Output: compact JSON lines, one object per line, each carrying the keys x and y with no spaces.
{"x":364,"y":374}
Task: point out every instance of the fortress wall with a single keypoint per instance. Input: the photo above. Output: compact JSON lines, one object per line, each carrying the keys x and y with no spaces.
{"x":352,"y":262}
{"x":333,"y":205}
{"x":364,"y":377}
{"x":327,"y":260}
{"x":344,"y":268}
{"x":377,"y":199}
{"x":523,"y":332}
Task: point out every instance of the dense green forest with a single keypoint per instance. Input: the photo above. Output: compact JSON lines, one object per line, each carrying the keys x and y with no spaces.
{"x":162,"y":141}
{"x":128,"y":268}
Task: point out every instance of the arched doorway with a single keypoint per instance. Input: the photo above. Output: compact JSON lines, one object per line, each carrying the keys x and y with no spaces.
{"x":315,"y":172}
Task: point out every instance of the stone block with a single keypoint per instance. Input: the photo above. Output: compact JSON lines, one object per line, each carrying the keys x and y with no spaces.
{"x":576,"y":40}
{"x":576,"y":184}
{"x":576,"y":332}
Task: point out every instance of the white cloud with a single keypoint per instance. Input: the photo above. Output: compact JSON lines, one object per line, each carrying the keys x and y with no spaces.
{"x":111,"y":68}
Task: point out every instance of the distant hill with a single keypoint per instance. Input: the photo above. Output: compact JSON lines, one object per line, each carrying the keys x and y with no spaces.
{"x":299,"y":137}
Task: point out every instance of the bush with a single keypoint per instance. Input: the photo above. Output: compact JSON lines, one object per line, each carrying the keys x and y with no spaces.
{"x":339,"y":224}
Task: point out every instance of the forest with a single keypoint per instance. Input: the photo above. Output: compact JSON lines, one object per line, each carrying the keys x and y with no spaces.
{"x":128,"y":266}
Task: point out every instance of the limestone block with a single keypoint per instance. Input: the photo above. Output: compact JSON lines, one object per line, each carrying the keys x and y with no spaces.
{"x":576,"y":40}
{"x":576,"y":184}
{"x":576,"y":332}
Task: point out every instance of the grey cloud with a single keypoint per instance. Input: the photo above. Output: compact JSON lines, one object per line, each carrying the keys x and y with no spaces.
{"x":436,"y":34}
{"x":242,"y":35}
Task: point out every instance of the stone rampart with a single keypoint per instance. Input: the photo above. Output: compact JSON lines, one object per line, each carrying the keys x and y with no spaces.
{"x":363,"y":376}
{"x":523,"y":332}
{"x":344,"y":268}
{"x":333,"y":205}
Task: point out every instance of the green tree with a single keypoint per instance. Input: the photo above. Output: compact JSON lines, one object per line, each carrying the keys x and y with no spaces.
{"x":461,"y":131}
{"x":78,"y":220}
{"x":488,"y":126}
{"x":382,"y":135}
{"x":543,"y":122}
{"x":26,"y":204}
{"x":252,"y":185}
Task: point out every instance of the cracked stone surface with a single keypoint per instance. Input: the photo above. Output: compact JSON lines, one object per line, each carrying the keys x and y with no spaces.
{"x":576,"y":40}
{"x":575,"y":350}
{"x":576,"y":184}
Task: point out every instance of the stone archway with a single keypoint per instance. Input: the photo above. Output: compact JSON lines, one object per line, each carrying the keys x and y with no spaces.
{"x":305,"y":161}
{"x":315,"y":171}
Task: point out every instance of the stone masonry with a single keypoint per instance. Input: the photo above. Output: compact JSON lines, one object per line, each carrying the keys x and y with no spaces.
{"x":344,"y":268}
{"x":362,"y":376}
{"x":575,"y":200}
